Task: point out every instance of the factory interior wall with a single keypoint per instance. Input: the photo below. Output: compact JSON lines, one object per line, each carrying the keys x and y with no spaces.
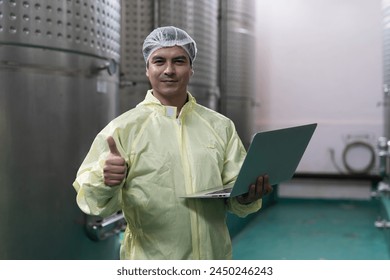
{"x":321,"y":61}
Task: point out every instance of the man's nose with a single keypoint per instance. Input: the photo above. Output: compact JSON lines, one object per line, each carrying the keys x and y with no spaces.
{"x":169,"y":69}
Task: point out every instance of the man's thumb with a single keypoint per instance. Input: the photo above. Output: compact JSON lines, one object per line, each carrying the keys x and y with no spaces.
{"x":112,"y":146}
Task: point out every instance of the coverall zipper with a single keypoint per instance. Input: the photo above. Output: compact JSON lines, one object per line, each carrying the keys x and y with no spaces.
{"x":189,"y":188}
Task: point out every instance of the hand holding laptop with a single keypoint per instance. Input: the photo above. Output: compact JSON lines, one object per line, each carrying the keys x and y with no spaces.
{"x":256,"y":191}
{"x":275,"y":154}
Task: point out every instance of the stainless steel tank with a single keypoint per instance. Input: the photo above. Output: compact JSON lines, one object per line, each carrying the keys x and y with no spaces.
{"x":386,"y":66}
{"x":198,"y":17}
{"x":237,"y":74}
{"x":137,"y":21}
{"x":386,"y":82}
{"x":59,"y":87}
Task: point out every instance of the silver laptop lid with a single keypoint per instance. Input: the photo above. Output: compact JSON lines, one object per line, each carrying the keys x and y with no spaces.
{"x":276,"y":153}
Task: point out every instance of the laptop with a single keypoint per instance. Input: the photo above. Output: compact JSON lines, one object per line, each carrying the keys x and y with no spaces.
{"x":276,"y":153}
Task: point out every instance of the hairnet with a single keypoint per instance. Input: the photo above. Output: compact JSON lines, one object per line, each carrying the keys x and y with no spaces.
{"x":169,"y":36}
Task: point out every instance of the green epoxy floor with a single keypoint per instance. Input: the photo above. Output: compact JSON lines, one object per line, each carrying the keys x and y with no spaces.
{"x":313,"y":229}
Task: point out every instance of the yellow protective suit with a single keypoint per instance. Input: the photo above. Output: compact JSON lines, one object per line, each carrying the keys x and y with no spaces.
{"x":167,"y":157}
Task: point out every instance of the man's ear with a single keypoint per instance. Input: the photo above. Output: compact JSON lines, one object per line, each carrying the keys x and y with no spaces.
{"x":147,"y":72}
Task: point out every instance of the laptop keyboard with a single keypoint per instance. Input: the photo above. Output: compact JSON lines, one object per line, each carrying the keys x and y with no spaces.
{"x":227,"y":190}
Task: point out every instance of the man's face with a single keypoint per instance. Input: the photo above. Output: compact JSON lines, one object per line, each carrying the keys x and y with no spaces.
{"x":169,"y":72}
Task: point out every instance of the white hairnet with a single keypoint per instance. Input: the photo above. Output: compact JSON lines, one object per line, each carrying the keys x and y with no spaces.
{"x":169,"y":36}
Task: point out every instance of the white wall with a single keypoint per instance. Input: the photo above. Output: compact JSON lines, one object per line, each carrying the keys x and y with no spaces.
{"x":321,"y":61}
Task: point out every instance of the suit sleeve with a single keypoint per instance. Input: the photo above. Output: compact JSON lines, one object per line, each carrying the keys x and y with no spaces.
{"x":234,"y":157}
{"x":93,"y":196}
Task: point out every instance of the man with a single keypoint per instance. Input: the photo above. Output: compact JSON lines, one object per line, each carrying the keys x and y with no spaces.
{"x":145,"y":160}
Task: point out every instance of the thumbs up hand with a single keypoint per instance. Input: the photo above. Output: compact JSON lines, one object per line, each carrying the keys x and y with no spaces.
{"x":114,"y":170}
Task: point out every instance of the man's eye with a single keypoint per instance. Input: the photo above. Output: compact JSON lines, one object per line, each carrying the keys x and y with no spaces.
{"x":158,"y":61}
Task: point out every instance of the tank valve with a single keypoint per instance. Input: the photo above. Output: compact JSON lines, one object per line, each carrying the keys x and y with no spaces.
{"x":383,"y":155}
{"x":382,"y":223}
{"x":110,"y":66}
{"x":100,"y":229}
{"x":383,"y":189}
